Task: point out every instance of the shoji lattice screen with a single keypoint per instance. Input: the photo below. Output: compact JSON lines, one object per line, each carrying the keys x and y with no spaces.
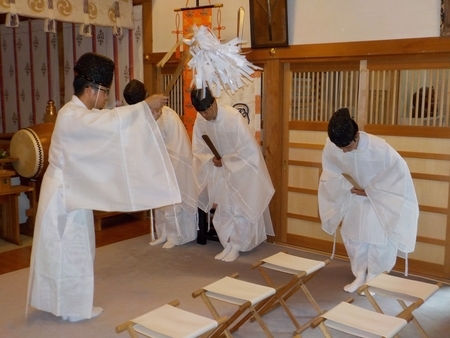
{"x":316,"y":95}
{"x":417,"y":97}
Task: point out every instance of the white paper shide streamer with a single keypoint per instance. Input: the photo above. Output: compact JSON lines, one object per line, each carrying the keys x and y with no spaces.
{"x":218,"y":65}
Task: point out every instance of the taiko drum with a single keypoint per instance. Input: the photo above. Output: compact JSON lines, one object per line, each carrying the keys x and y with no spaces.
{"x":31,"y":146}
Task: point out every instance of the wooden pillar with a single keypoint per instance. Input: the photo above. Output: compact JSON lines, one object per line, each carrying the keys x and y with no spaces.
{"x":272,"y":110}
{"x":147,"y":34}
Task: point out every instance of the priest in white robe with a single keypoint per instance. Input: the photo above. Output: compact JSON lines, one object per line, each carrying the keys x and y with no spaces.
{"x":379,"y":211}
{"x":238,"y":183}
{"x":175,"y":224}
{"x":99,"y":159}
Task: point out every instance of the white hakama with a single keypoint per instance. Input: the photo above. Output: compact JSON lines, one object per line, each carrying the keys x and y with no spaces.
{"x":178,"y":224}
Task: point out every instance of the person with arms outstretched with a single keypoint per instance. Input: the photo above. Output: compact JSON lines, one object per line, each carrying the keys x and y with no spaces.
{"x":99,"y":159}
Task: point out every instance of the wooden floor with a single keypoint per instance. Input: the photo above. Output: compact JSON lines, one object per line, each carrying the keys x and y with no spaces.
{"x":114,"y":229}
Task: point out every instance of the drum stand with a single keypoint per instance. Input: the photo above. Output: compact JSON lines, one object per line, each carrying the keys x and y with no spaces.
{"x":9,"y":207}
{"x":28,"y":227}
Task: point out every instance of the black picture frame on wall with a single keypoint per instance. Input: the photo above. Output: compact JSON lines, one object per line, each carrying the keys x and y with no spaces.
{"x":268,"y":23}
{"x":445,"y":17}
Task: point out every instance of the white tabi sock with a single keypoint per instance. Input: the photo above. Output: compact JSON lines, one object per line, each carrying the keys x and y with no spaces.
{"x":160,"y":240}
{"x":169,"y":245}
{"x":232,"y":255}
{"x":225,"y":252}
{"x":359,"y":281}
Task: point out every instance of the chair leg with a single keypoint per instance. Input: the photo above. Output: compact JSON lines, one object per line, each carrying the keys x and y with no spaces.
{"x":324,"y":330}
{"x":250,"y":316}
{"x":414,"y":320}
{"x":310,"y":298}
{"x":128,"y":326}
{"x":285,"y":292}
{"x":261,"y":322}
{"x":224,"y":328}
{"x":131,"y":332}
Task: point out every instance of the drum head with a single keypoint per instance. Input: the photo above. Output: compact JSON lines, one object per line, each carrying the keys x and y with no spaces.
{"x":30,"y":146}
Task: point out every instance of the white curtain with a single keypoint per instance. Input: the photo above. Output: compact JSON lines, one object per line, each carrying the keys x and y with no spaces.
{"x":28,"y":75}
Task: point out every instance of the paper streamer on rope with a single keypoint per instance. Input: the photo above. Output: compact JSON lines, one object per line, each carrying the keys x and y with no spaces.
{"x":12,"y":18}
{"x":50,"y":22}
{"x":85,"y":28}
{"x":117,"y":28}
{"x":218,"y":65}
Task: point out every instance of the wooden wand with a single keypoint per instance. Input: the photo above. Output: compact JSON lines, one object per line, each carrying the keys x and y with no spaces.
{"x":211,"y":146}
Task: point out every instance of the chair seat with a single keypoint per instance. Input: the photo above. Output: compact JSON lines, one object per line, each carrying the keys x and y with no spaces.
{"x":401,"y":288}
{"x":362,"y":322}
{"x":235,"y":291}
{"x":292,"y":264}
{"x":169,"y":321}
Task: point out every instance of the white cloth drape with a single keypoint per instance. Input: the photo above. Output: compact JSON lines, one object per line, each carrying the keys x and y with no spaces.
{"x":178,"y":224}
{"x":101,"y":12}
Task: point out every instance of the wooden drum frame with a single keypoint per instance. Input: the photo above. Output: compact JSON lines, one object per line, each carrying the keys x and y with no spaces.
{"x":31,"y":146}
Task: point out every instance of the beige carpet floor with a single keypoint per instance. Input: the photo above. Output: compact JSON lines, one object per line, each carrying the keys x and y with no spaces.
{"x":132,"y":278}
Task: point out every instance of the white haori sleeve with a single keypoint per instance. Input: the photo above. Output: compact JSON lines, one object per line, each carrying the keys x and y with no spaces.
{"x":393,"y":197}
{"x":179,"y":148}
{"x":115,"y":160}
{"x":247,"y":175}
{"x":202,"y":164}
{"x":334,"y":194}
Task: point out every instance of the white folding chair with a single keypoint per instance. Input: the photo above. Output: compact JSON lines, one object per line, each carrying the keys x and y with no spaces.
{"x":301,"y":270}
{"x":170,"y":321}
{"x":249,"y":298}
{"x":402,"y":289}
{"x":361,"y":322}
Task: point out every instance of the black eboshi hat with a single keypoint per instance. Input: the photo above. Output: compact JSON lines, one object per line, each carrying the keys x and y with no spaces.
{"x":202,"y":98}
{"x":95,"y":68}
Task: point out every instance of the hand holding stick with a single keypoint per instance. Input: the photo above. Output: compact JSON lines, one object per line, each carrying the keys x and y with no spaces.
{"x":156,"y":101}
{"x":211,"y":146}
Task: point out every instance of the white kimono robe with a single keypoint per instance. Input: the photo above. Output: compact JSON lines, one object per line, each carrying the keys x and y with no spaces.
{"x":112,"y":160}
{"x":179,"y":223}
{"x":389,"y":213}
{"x":242,"y":187}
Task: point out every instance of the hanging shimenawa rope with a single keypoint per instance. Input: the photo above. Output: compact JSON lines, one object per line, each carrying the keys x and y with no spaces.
{"x":217,"y":65}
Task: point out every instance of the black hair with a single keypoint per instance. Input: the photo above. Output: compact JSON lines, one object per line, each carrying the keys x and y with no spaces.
{"x":80,"y":84}
{"x":342,"y":129}
{"x":134,"y":92}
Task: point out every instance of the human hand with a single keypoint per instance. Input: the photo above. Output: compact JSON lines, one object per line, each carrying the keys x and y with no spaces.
{"x":156,"y":101}
{"x":156,"y":113}
{"x":358,"y":192}
{"x":217,"y":163}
